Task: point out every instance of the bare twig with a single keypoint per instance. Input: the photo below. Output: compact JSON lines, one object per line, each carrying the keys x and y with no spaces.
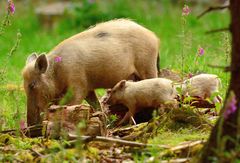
{"x":212,"y":9}
{"x":187,"y":145}
{"x":225,"y":68}
{"x":112,"y":140}
{"x":18,"y":160}
{"x":133,"y":120}
{"x":31,"y":131}
{"x":177,"y":160}
{"x":217,"y":30}
{"x":36,"y":152}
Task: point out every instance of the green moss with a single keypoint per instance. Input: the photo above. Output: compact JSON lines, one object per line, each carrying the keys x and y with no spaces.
{"x":6,"y":139}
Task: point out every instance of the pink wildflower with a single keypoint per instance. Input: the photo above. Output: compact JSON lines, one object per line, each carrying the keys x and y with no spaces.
{"x":22,"y":124}
{"x":58,"y":59}
{"x":200,"y":51}
{"x":230,"y":106}
{"x":11,"y":7}
{"x":186,"y":10}
{"x":190,"y":75}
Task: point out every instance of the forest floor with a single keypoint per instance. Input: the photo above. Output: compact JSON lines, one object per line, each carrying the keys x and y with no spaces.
{"x":171,"y":137}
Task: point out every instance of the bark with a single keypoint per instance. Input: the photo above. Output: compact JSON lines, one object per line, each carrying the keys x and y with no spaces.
{"x":227,"y":130}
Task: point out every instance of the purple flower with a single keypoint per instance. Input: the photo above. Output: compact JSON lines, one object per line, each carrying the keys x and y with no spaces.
{"x":58,"y":59}
{"x":22,"y":124}
{"x":190,"y":75}
{"x":11,"y":7}
{"x":186,"y":10}
{"x":200,"y":51}
{"x":230,"y":106}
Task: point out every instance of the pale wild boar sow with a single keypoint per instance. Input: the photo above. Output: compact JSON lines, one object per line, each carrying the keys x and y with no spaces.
{"x":96,"y":58}
{"x":145,"y":93}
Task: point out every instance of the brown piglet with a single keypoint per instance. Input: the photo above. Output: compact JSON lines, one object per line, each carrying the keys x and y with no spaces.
{"x":146,"y":93}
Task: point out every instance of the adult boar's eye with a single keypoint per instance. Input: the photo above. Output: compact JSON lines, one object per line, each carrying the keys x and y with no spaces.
{"x":32,"y":85}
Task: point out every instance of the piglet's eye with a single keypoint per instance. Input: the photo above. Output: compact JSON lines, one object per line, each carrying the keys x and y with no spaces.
{"x":108,"y":91}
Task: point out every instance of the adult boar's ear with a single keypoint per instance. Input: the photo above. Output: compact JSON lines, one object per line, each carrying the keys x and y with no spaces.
{"x":41,"y":64}
{"x":122,"y":84}
{"x":31,"y":58}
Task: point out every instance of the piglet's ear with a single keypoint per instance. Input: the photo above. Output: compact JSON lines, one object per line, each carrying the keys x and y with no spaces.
{"x":31,"y":58}
{"x":41,"y":64}
{"x":122,"y":84}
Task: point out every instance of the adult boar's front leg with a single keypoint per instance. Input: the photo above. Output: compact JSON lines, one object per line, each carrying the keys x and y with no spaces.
{"x":93,"y":100}
{"x":77,"y":97}
{"x":80,"y":94}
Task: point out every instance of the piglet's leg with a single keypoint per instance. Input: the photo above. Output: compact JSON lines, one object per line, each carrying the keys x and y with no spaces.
{"x":125,"y":119}
{"x":128,"y":115}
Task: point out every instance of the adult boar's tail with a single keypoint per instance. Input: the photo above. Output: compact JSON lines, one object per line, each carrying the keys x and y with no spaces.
{"x":158,"y":64}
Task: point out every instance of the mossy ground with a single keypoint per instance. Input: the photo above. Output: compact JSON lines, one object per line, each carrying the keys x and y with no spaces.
{"x":162,"y":18}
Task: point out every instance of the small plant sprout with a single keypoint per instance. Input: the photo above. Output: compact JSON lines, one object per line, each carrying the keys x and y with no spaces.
{"x":67,"y":97}
{"x":111,"y":120}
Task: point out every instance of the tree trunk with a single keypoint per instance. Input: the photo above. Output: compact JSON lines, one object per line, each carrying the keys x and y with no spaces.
{"x":225,"y":135}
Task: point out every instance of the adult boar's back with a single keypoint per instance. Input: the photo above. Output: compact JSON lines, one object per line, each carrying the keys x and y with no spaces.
{"x":96,"y":58}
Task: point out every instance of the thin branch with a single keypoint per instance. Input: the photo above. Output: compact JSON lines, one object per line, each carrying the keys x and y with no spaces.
{"x":31,"y":131}
{"x":217,"y":30}
{"x":36,"y":152}
{"x":187,"y":145}
{"x":133,"y":120}
{"x":112,"y":140}
{"x":225,"y":68}
{"x":212,"y":9}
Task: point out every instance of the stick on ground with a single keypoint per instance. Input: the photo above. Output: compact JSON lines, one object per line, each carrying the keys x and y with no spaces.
{"x":113,"y":140}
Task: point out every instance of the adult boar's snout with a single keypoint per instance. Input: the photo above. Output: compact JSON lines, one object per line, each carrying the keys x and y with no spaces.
{"x":33,"y":112}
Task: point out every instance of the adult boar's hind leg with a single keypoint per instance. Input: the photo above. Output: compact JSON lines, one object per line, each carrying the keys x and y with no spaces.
{"x":93,"y":100}
{"x":148,"y":69}
{"x":134,"y":77}
{"x":148,"y":74}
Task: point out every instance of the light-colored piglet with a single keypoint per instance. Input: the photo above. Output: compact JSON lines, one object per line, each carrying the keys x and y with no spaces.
{"x":96,"y":58}
{"x":203,"y":85}
{"x":141,"y":94}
